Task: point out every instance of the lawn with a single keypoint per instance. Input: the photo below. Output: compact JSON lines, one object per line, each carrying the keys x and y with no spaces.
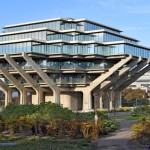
{"x":37,"y":143}
{"x":128,"y":117}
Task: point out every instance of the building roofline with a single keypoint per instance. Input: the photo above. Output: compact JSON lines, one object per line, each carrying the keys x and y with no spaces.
{"x":65,"y":31}
{"x":86,"y":20}
{"x":64,"y":19}
{"x":33,"y":22}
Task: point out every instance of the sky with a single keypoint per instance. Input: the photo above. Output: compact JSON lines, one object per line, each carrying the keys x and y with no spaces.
{"x":130,"y":16}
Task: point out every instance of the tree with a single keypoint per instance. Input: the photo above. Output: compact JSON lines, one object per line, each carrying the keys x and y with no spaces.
{"x":130,"y":94}
{"x":130,"y":97}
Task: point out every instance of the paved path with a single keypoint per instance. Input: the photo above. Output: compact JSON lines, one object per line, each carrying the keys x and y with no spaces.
{"x":119,"y":140}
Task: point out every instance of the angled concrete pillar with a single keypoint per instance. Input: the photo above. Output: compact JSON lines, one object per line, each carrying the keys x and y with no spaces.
{"x":133,"y":78}
{"x":120,"y":73}
{"x":38,"y":97}
{"x":111,"y":71}
{"x":128,"y":75}
{"x":45,"y":77}
{"x":16,"y":83}
{"x":8,"y":92}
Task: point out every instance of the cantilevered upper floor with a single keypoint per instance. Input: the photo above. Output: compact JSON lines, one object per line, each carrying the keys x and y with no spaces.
{"x":68,"y":36}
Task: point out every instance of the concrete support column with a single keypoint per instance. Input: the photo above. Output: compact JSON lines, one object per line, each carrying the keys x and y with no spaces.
{"x":41,"y":96}
{"x":87,"y":99}
{"x":70,"y":100}
{"x":56,"y":95}
{"x":37,"y":97}
{"x":109,"y":100}
{"x":23,"y":97}
{"x":100,"y":101}
{"x":117,"y":99}
{"x":45,"y":77}
{"x":8,"y":97}
{"x":66,"y":100}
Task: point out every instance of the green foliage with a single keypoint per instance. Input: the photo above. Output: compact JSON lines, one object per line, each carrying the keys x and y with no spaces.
{"x":133,"y":102}
{"x":141,"y":130}
{"x":141,"y":111}
{"x":132,"y":97}
{"x":14,"y":110}
{"x":130,"y":94}
{"x":124,"y":109}
{"x":36,"y":143}
{"x":54,"y":120}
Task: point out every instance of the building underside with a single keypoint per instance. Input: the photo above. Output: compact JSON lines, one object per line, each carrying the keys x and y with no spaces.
{"x":44,"y":83}
{"x":71,"y":62}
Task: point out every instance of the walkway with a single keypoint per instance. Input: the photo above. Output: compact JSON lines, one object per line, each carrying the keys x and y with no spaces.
{"x":119,"y":140}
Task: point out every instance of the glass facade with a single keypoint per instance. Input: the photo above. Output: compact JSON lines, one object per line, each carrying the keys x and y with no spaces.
{"x":89,"y":26}
{"x":35,"y":35}
{"x":50,"y":25}
{"x":137,"y":51}
{"x":54,"y":47}
{"x":110,"y":38}
{"x":65,"y":37}
{"x":69,"y":37}
{"x":72,"y":40}
{"x":78,"y":64}
{"x":15,"y":48}
{"x":92,"y":49}
{"x":72,"y":78}
{"x":69,"y":25}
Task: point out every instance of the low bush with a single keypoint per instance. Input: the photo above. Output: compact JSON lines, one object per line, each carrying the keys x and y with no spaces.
{"x":141,"y":130}
{"x":141,"y":111}
{"x":54,"y":120}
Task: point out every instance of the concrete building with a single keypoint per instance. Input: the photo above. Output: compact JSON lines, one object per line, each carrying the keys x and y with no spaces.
{"x":142,"y":83}
{"x":73,"y":62}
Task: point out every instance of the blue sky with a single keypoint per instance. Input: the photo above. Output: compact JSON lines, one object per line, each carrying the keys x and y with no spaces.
{"x":130,"y":16}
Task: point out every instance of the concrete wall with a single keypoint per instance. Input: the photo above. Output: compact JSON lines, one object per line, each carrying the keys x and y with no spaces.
{"x":71,"y":100}
{"x":49,"y":97}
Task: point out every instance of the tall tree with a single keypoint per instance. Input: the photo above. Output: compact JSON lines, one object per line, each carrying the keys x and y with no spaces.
{"x":130,"y":94}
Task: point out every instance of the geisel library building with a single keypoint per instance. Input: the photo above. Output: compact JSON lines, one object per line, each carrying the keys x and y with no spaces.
{"x":73,"y":62}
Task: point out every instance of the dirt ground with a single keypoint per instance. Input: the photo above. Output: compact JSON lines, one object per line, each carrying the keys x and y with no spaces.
{"x":120,"y":139}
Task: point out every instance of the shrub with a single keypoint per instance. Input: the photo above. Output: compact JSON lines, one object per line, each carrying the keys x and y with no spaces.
{"x":141,"y":129}
{"x":2,"y":124}
{"x":141,"y":111}
{"x":52,"y":119}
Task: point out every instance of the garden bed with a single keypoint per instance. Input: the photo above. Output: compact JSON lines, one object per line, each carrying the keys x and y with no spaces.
{"x":49,"y":119}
